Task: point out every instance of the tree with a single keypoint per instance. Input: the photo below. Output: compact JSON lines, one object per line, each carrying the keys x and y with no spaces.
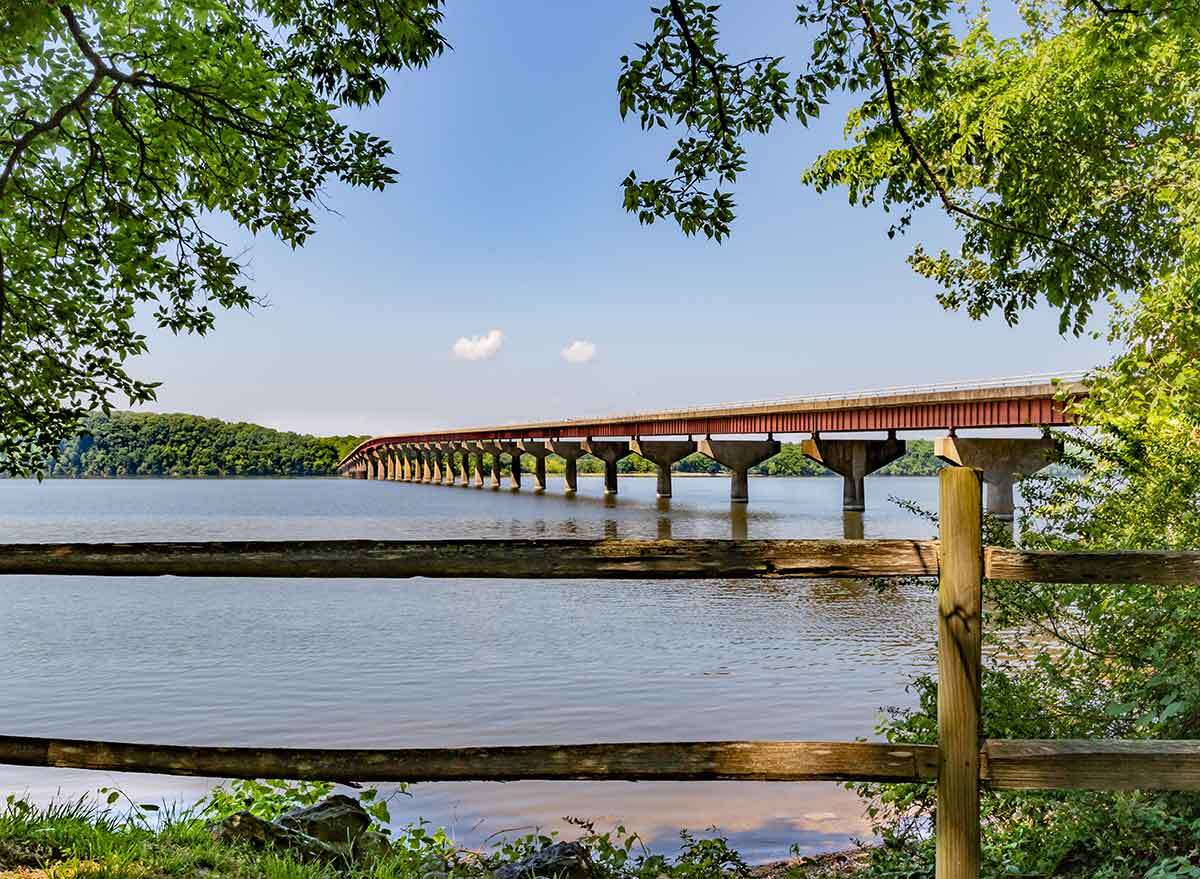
{"x":126,"y":128}
{"x":1065,"y":156}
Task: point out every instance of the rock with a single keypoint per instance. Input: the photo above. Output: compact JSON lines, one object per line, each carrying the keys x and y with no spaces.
{"x":370,"y":846}
{"x":247,"y":828}
{"x":563,"y":860}
{"x":338,"y":820}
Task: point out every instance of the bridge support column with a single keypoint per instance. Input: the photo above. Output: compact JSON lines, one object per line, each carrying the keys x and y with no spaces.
{"x":449,"y":466}
{"x":570,"y":452}
{"x":397,"y":469}
{"x":539,"y":451}
{"x":739,"y":456}
{"x":465,"y":454}
{"x":372,"y":465}
{"x":853,"y":460}
{"x":663,"y":453}
{"x":610,"y":452}
{"x":513,"y":450}
{"x":1002,"y":461}
{"x":412,"y":465}
{"x":495,"y":451}
{"x":476,"y":451}
{"x":432,"y":472}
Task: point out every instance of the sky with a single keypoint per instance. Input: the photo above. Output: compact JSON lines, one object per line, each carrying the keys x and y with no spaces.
{"x":501,"y":280}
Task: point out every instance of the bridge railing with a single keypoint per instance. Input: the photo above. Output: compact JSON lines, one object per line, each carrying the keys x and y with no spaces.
{"x":960,"y":763}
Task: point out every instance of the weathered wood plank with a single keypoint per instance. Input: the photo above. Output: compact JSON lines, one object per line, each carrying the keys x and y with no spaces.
{"x":959,"y":652}
{"x":1115,"y":764}
{"x":1165,"y":568}
{"x":575,"y":559}
{"x":641,"y":761}
{"x":513,"y":559}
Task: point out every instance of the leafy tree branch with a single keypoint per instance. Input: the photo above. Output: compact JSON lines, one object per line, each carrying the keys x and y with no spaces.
{"x":126,"y":129}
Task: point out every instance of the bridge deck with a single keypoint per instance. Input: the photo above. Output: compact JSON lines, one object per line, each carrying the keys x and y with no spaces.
{"x":1031,"y":401}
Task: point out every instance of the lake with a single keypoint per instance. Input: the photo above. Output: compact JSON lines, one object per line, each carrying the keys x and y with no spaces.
{"x":427,"y":663}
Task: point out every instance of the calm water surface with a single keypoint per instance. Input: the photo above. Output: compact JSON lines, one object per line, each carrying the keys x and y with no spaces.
{"x":349,"y":663}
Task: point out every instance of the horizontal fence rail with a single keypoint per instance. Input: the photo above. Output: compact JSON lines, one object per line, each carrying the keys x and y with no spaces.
{"x":1091,"y":764}
{"x":1003,"y":764}
{"x":638,"y":761}
{"x":576,"y":559}
{"x":522,"y":559}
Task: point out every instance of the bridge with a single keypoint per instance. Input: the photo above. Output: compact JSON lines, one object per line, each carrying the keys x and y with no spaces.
{"x":462,"y":456}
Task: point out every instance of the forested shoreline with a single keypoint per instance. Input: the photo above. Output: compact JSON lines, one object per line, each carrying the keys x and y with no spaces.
{"x":137,"y":444}
{"x":151,"y":445}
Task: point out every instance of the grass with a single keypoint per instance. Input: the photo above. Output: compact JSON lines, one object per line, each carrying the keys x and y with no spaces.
{"x":85,"y":840}
{"x":81,"y":840}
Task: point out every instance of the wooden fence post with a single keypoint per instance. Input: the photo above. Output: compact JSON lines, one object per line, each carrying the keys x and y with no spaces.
{"x":960,"y":601}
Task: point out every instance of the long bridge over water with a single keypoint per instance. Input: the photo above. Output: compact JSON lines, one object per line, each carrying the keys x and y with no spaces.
{"x":458,"y":456}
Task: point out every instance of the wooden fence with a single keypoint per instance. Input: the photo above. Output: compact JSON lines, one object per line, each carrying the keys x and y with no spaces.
{"x":959,"y":764}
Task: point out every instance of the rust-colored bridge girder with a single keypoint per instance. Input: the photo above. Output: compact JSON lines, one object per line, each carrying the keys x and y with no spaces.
{"x":1032,"y":403}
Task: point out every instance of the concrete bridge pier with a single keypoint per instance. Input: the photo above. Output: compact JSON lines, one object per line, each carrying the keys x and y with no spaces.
{"x":495,"y":451}
{"x":739,"y":456}
{"x":539,"y":451}
{"x":450,"y":466}
{"x":1002,"y":461}
{"x":429,"y":471}
{"x":610,"y":452}
{"x":465,"y":453}
{"x":372,"y":464}
{"x":570,"y":452}
{"x":514,"y":464}
{"x":476,"y":451}
{"x":412,"y":464}
{"x":853,"y":460}
{"x":663,"y":453}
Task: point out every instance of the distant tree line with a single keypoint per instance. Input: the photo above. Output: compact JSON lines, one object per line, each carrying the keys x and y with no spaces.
{"x":126,"y":444}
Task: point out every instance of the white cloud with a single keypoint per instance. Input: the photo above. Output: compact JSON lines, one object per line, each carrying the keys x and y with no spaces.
{"x":579,"y":351}
{"x":479,"y":347}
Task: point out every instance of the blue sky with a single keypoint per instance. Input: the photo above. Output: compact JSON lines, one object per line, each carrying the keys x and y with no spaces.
{"x":508,"y":216}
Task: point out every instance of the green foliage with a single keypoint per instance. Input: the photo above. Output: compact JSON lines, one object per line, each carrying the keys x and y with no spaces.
{"x":265,"y":798}
{"x":140,"y":444}
{"x":1083,"y":661}
{"x":127,"y":126}
{"x":789,"y":462}
{"x":918,"y":460}
{"x":271,"y":798}
{"x":1065,"y":155}
{"x":80,"y":840}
